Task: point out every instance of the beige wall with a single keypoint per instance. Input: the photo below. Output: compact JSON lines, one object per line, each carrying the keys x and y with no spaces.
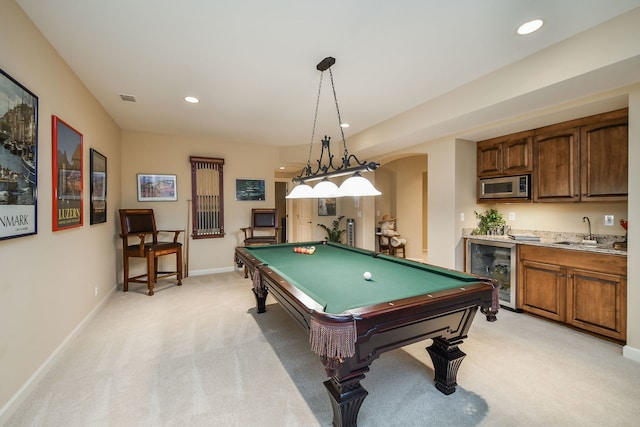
{"x":167,"y":154}
{"x":49,"y":279}
{"x":404,"y":190}
{"x":632,"y":349}
{"x":558,"y":217}
{"x":465,"y":197}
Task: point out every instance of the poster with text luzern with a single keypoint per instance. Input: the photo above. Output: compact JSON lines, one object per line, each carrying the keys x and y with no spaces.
{"x":18,"y":159}
{"x":67,"y":176}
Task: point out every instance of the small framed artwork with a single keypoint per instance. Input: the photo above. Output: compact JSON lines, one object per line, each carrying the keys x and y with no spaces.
{"x":18,"y":159}
{"x":327,"y":206}
{"x":157,"y":188}
{"x":67,"y":176}
{"x":250,"y":189}
{"x":98,"y":188}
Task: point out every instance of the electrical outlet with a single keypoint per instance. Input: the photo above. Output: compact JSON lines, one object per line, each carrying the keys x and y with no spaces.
{"x":95,"y":291}
{"x":512,"y":216}
{"x":608,"y":219}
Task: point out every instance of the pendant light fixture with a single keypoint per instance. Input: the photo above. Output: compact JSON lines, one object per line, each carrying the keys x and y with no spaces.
{"x":356,"y":185}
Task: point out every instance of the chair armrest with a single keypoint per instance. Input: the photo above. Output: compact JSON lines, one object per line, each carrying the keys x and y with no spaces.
{"x":245,"y":229}
{"x":141,"y":236}
{"x":175,"y":235}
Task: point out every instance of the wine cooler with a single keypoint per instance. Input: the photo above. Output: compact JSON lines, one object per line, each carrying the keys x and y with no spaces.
{"x":496,"y":260}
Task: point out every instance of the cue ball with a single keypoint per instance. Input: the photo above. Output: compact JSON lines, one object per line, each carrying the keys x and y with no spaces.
{"x":367,"y":275}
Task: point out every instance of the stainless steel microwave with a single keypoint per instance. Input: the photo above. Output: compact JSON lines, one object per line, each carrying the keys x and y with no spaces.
{"x":505,"y":187}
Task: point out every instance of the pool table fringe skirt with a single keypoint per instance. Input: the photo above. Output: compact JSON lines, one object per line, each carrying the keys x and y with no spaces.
{"x":333,"y":340}
{"x":330,"y":340}
{"x":258,"y":287}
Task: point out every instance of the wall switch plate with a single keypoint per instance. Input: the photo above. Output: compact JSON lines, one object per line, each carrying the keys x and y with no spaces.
{"x":608,"y":219}
{"x":512,"y":216}
{"x":462,"y":217}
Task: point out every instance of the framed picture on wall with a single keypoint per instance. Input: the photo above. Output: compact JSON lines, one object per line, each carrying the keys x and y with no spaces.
{"x":157,"y":188}
{"x":327,"y":207}
{"x":98,"y":188}
{"x":18,"y":159}
{"x":250,"y":189}
{"x":67,"y":176}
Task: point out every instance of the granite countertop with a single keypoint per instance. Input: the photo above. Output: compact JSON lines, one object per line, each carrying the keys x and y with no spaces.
{"x":552,"y":240}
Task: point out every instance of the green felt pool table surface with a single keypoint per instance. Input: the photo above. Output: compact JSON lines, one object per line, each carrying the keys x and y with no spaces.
{"x":333,"y":275}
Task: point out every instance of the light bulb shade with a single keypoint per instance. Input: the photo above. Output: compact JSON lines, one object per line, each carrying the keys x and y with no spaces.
{"x":357,"y":186}
{"x":325,"y":188}
{"x":301,"y":191}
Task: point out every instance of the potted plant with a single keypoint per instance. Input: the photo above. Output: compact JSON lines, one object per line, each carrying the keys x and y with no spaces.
{"x":489,"y":222}
{"x":334,"y":234}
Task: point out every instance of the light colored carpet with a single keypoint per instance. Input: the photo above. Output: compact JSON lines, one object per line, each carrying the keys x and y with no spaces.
{"x":199,"y":355}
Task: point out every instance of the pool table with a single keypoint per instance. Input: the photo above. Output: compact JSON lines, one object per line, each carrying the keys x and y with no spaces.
{"x":352,"y":321}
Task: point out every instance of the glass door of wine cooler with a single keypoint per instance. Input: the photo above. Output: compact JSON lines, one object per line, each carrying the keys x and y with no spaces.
{"x":496,"y":260}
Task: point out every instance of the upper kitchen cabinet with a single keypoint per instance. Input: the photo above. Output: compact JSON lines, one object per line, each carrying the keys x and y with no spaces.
{"x":604,"y":160}
{"x":505,"y":155}
{"x":556,"y":160}
{"x":582,"y":160}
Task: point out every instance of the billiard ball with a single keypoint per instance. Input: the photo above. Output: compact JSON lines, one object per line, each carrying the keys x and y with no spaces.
{"x":367,"y":275}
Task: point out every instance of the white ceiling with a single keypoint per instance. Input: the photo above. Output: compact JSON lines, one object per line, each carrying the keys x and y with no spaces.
{"x":252,"y":63}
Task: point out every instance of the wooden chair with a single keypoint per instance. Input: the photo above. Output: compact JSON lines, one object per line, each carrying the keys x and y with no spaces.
{"x":140,"y":224}
{"x":388,"y":249}
{"x":264,"y":228}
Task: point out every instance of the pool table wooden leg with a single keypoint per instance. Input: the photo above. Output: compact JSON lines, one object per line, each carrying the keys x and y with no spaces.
{"x":261,"y":300}
{"x":446,"y":357}
{"x":346,"y":395}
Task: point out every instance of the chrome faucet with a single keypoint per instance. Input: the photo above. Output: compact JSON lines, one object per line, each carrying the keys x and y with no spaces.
{"x":586,"y":218}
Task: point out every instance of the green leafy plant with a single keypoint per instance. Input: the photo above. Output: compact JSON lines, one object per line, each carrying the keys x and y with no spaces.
{"x":489,"y":221}
{"x":334,"y":234}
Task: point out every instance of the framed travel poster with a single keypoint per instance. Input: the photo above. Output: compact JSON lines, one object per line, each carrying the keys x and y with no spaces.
{"x":67,"y":176}
{"x":98,"y":188}
{"x":18,"y":159}
{"x":157,"y":188}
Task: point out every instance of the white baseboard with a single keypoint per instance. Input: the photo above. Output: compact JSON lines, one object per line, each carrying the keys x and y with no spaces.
{"x":211,"y":271}
{"x":16,"y":400}
{"x":631,"y":353}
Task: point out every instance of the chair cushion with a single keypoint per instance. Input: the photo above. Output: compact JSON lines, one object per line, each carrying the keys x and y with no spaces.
{"x":158,"y":247}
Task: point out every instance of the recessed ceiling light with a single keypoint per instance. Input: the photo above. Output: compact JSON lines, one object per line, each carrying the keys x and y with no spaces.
{"x":282,"y":168}
{"x":191,"y":99}
{"x":530,"y":27}
{"x":344,"y":125}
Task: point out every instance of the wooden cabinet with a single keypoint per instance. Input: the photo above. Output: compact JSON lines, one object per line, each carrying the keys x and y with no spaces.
{"x":548,"y":297}
{"x":582,"y":160}
{"x":557,"y":165}
{"x":586,"y":290}
{"x":506,"y":155}
{"x":597,"y":302}
{"x":604,"y":160}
